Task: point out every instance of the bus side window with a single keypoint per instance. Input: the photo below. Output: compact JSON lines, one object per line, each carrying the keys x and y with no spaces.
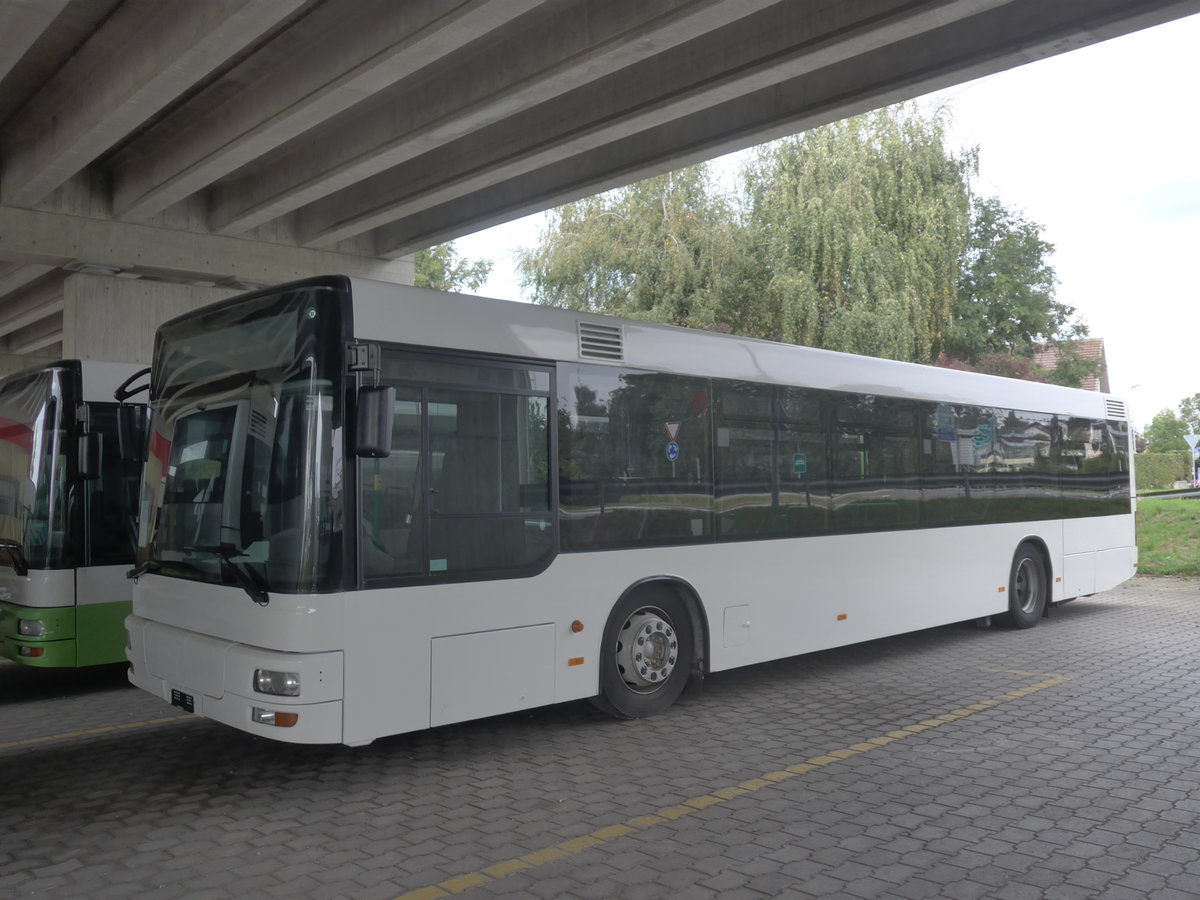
{"x":635,"y":458}
{"x":466,"y":486}
{"x":770,"y":476}
{"x":877,"y":482}
{"x":490,"y":506}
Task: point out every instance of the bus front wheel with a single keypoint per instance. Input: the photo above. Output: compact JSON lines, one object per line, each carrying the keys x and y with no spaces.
{"x":1028,"y":588}
{"x":646,"y":654}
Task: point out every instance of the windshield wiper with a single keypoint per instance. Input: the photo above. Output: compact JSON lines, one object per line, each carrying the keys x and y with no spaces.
{"x":16,"y":555}
{"x":250,"y":580}
{"x":150,"y":565}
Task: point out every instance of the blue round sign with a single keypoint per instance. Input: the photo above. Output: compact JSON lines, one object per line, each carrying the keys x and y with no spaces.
{"x":672,"y":451}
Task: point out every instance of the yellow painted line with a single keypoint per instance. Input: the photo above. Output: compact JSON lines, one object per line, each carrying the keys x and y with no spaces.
{"x":500,"y":870}
{"x":87,"y":732}
{"x":598,"y":838}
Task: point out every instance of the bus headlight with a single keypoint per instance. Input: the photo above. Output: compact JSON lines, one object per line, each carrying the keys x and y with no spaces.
{"x":282,"y":684}
{"x":31,"y":627}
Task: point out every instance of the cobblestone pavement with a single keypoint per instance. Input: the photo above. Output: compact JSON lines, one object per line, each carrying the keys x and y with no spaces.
{"x":1061,"y":762}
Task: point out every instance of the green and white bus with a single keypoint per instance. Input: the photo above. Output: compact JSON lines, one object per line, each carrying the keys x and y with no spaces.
{"x":370,"y":509}
{"x":68,"y":505}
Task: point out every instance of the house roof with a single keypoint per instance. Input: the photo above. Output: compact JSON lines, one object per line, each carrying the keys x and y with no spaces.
{"x":1089,"y":348}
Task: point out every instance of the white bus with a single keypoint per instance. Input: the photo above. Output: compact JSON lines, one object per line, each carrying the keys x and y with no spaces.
{"x":68,"y":502}
{"x":371,"y":509}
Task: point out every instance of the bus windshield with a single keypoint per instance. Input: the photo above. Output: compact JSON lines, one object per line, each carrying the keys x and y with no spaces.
{"x":245,"y":455}
{"x":34,"y":468}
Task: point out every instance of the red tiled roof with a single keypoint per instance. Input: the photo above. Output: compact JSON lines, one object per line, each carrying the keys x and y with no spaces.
{"x":1088,"y":348}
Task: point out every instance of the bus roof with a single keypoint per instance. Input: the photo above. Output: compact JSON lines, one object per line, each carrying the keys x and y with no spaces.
{"x":418,"y":316}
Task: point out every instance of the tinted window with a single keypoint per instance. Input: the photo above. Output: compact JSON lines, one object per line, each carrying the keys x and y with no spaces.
{"x":1116,"y":457}
{"x":791,"y":461}
{"x":635,"y":458}
{"x":112,"y":497}
{"x":466,"y":487}
{"x":876,"y":464}
{"x":960,"y":452}
{"x":1093,"y":453}
{"x":1028,"y":447}
{"x":771,"y":462}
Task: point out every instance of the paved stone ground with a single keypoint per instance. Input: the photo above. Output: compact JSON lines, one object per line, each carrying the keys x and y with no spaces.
{"x":1062,"y":762}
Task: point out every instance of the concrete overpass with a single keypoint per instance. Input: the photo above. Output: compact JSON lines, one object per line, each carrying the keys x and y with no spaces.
{"x":159,"y":155}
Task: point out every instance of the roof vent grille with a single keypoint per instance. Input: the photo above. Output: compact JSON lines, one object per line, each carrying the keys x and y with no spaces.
{"x":1115,"y":409}
{"x":598,"y":340}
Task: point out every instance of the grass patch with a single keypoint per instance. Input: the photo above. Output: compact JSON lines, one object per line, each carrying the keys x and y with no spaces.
{"x":1168,"y":536}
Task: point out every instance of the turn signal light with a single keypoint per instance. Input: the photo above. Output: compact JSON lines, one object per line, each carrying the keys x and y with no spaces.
{"x":271,"y":717}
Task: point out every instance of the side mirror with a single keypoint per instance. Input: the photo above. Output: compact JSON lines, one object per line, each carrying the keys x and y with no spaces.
{"x":376,"y":410}
{"x":131,"y":432}
{"x":89,"y":456}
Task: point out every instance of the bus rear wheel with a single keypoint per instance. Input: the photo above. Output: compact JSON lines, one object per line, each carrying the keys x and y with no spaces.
{"x":646,"y":654}
{"x":1028,"y":588}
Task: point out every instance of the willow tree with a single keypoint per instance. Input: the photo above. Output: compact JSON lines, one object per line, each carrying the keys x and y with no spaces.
{"x":662,"y":249}
{"x":858,"y":229}
{"x":855,"y":236}
{"x":442,"y":269}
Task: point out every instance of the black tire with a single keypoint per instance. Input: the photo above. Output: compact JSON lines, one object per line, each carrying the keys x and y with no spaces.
{"x":1028,"y":588}
{"x":646,"y":654}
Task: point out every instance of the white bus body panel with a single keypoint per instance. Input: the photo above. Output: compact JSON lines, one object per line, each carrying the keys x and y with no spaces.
{"x":103,"y":584}
{"x":428,"y":655}
{"x":1098,"y":554}
{"x":41,"y":588}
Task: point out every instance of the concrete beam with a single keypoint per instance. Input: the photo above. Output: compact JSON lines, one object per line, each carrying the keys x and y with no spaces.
{"x":105,"y":91}
{"x":750,"y":55}
{"x":347,"y":57}
{"x":16,"y":276}
{"x":1000,"y":38}
{"x":31,"y":306}
{"x":57,"y":239}
{"x":22,"y":22}
{"x":10,"y":364}
{"x":43,"y":337}
{"x":580,"y":42}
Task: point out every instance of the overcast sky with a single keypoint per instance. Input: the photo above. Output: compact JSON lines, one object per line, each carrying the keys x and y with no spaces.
{"x":1101,"y":148}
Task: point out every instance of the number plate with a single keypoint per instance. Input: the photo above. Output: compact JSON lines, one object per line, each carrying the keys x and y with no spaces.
{"x":183,"y":701}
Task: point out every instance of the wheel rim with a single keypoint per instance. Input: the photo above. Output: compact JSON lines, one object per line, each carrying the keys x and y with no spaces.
{"x":647,"y":650}
{"x":1028,"y":586}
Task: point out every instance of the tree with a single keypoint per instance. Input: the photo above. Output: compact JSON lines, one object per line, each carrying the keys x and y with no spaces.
{"x":860,"y":236}
{"x":857,"y":229}
{"x":1005,"y":301}
{"x":1189,"y":412}
{"x":442,"y":269}
{"x":659,"y":250}
{"x":1166,"y":432}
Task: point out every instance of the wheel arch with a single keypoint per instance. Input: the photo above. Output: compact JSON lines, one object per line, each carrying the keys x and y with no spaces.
{"x":1039,"y":545}
{"x":690,"y":598}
